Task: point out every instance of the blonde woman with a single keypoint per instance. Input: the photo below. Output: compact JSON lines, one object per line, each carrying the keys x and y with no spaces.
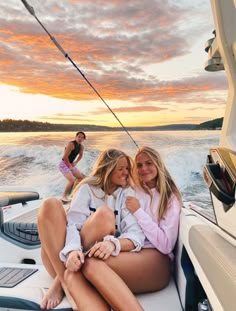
{"x":157,"y":213}
{"x":98,"y":216}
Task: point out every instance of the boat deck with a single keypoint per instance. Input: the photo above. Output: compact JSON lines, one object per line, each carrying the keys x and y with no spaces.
{"x":29,"y":293}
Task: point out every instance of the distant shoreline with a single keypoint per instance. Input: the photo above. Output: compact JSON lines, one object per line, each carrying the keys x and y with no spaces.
{"x":10,"y":125}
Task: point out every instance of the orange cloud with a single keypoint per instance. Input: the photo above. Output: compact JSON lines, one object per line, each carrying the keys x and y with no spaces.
{"x":112,"y":43}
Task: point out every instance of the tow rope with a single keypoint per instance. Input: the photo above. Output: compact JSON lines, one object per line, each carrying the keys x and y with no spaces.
{"x":32,"y":12}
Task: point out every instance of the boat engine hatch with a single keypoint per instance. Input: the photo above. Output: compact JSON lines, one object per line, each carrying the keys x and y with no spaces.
{"x":220,"y":176}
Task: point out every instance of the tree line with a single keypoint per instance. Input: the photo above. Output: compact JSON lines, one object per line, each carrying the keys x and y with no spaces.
{"x":10,"y":125}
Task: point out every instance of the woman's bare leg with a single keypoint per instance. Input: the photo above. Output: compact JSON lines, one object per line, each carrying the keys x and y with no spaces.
{"x":55,"y":293}
{"x":51,"y":224}
{"x":70,"y":181}
{"x":85,"y":296}
{"x":141,"y":272}
{"x":144,"y":271}
{"x":110,"y":285}
{"x":103,"y":278}
{"x":47,"y":263}
{"x":98,"y":225}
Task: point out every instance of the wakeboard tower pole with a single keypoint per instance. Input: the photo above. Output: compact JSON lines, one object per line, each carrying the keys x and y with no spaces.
{"x":66,"y":55}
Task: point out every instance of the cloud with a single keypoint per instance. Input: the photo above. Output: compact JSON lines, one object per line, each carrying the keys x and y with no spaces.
{"x":126,"y":109}
{"x":64,"y":118}
{"x":112,"y":43}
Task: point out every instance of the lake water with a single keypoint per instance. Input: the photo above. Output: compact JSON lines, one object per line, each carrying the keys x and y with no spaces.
{"x":31,"y":159}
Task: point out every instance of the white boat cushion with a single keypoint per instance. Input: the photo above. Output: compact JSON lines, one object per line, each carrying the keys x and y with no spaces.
{"x":29,"y":293}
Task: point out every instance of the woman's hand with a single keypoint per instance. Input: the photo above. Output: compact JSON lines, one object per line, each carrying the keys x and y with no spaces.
{"x":132,"y":204}
{"x":74,"y":261}
{"x":102,"y":250}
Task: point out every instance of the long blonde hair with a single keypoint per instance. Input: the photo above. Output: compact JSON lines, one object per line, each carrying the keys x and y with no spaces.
{"x":165,"y":184}
{"x":103,"y":168}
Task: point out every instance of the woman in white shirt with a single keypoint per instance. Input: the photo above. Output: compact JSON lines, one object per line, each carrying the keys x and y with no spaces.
{"x":97,"y":213}
{"x":157,"y":212}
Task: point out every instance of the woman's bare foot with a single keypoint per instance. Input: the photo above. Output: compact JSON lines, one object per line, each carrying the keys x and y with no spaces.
{"x":53,"y":297}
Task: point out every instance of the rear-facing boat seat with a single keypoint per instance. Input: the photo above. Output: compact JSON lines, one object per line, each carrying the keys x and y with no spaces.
{"x":21,"y":230}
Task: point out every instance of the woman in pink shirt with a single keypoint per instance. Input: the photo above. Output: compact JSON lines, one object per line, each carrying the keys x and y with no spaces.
{"x":158,"y":213}
{"x":159,"y":217}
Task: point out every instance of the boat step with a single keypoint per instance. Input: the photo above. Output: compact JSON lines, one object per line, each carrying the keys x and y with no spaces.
{"x":10,"y":277}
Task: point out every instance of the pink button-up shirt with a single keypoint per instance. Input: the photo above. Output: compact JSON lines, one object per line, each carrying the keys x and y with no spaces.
{"x":162,"y":235}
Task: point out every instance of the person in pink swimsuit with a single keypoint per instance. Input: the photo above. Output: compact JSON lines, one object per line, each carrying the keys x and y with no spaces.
{"x":73,"y":153}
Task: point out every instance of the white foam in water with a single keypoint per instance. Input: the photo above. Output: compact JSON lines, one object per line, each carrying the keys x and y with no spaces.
{"x":31,"y":159}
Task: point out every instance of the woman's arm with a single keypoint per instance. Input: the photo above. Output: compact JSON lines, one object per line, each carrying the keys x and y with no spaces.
{"x":126,"y":245}
{"x":110,"y":246}
{"x":76,"y":216}
{"x":162,"y":235}
{"x":131,"y":235}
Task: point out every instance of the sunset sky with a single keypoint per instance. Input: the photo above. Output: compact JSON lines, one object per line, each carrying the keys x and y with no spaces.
{"x":145,"y":57}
